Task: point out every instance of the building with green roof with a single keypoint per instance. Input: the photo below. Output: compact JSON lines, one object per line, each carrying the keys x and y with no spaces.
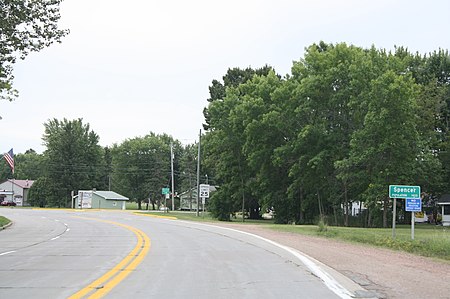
{"x":93,"y":199}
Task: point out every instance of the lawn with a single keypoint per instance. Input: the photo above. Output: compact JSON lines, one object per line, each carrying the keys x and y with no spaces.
{"x":429,"y":240}
{"x":4,"y":221}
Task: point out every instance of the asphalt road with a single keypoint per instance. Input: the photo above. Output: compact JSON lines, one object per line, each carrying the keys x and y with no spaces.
{"x":61,"y":253}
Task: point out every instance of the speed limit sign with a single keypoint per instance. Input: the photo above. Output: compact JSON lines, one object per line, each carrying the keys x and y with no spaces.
{"x":204,"y":191}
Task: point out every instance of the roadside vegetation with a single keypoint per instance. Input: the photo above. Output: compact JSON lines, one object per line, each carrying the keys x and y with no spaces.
{"x":429,"y":240}
{"x":4,"y":221}
{"x":320,"y":144}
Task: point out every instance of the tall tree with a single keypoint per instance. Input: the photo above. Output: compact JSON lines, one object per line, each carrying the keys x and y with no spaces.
{"x":142,"y":167}
{"x":226,"y":139}
{"x":73,"y":158}
{"x":25,"y":26}
{"x":385,"y":149}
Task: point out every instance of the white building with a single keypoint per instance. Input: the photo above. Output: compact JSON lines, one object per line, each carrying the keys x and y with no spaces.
{"x":444,"y":202}
{"x":15,"y":191}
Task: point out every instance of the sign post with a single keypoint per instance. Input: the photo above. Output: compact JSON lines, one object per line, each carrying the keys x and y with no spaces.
{"x":401,"y":191}
{"x":165,"y":192}
{"x":204,"y":193}
{"x":413,"y":205}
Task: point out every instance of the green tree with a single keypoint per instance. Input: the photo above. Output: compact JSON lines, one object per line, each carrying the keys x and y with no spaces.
{"x":29,"y":165}
{"x":142,"y":167}
{"x":225,"y":125}
{"x":25,"y":26}
{"x":41,"y":193}
{"x":386,"y":148}
{"x":73,"y":159}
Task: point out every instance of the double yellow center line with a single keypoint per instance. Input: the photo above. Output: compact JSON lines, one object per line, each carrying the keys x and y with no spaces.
{"x":110,"y":279}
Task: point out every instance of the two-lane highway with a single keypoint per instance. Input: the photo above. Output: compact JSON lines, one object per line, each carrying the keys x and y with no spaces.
{"x":63,"y":253}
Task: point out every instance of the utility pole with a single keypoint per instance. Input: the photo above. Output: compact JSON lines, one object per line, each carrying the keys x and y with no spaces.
{"x":171,"y":167}
{"x":198,"y":173}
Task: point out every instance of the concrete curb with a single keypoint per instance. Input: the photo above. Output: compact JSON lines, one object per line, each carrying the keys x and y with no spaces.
{"x":6,"y":225}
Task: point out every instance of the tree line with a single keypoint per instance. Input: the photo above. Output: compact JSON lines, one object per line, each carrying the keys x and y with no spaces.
{"x":138,"y":167}
{"x":343,"y":126}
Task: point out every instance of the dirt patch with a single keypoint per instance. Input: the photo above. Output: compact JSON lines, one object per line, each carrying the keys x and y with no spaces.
{"x":391,"y":274}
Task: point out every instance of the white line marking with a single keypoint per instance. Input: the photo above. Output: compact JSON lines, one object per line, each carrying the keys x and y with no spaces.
{"x":67,"y":229}
{"x":327,"y":279}
{"x":8,"y":252}
{"x":55,"y":238}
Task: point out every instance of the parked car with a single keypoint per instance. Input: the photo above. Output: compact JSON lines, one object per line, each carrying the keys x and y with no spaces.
{"x":8,"y":203}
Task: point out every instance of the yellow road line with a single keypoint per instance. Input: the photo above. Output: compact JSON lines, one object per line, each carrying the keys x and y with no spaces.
{"x":113,"y":277}
{"x":155,"y":216}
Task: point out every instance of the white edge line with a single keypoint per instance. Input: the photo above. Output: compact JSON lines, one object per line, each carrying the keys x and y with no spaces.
{"x":8,"y":252}
{"x":55,"y":238}
{"x":327,"y":279}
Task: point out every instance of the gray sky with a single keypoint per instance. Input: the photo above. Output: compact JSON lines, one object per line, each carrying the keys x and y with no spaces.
{"x":131,"y":67}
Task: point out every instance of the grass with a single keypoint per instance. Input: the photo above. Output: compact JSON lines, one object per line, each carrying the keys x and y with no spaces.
{"x":4,"y":221}
{"x":429,"y":240}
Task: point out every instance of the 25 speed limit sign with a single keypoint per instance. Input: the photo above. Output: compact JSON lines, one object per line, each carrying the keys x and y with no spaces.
{"x":204,"y":191}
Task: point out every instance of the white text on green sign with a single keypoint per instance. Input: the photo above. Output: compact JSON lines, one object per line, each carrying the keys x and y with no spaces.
{"x":400,"y":191}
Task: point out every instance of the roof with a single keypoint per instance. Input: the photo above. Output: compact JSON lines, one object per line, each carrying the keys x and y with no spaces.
{"x":212,"y":188}
{"x":445,"y":199}
{"x":111,"y":195}
{"x":24,"y":184}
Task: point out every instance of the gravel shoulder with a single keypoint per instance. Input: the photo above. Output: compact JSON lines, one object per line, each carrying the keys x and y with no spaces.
{"x":389,"y":273}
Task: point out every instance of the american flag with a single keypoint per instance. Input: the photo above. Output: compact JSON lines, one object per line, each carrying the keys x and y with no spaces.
{"x":9,"y":157}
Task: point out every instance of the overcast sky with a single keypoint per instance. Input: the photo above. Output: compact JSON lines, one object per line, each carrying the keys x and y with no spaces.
{"x":138,"y":66}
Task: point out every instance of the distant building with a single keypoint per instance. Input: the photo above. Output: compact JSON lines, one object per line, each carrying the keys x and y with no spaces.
{"x":355,"y":208}
{"x":93,"y":199}
{"x":444,"y":202}
{"x":188,"y":199}
{"x":15,"y":191}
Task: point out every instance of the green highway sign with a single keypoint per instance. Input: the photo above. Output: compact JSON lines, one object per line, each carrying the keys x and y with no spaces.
{"x":401,"y":191}
{"x":165,"y":191}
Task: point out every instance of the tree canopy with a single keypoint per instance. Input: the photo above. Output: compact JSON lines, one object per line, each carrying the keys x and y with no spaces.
{"x":25,"y":26}
{"x":347,"y":123}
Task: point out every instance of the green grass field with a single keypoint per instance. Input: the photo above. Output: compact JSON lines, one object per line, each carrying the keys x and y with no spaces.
{"x":429,"y":240}
{"x":4,"y":221}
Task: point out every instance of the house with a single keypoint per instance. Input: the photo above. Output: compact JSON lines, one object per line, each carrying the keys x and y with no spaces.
{"x":355,"y":208}
{"x":93,"y":199}
{"x":444,"y":202}
{"x":188,"y":199}
{"x":16,"y":191}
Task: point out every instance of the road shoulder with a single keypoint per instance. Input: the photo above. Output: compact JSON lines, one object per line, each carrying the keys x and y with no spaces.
{"x":388,"y":273}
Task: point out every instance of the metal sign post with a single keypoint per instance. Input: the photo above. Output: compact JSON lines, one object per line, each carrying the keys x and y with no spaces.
{"x":165,"y":192}
{"x":401,"y":191}
{"x":204,"y":194}
{"x":413,"y":205}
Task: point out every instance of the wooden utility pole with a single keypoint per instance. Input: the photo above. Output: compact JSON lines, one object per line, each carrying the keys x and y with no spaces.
{"x":198,"y":173}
